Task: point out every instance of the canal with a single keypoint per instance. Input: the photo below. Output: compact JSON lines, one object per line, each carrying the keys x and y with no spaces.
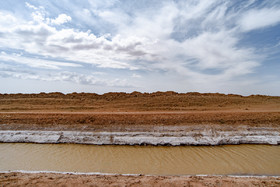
{"x":154,"y":160}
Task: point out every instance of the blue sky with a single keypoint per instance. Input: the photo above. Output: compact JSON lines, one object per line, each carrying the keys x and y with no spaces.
{"x":137,"y":45}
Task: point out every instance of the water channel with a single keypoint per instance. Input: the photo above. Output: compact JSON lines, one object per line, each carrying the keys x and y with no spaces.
{"x":158,"y":160}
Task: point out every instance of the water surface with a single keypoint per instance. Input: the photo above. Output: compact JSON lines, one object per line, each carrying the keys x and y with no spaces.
{"x":163,"y":160}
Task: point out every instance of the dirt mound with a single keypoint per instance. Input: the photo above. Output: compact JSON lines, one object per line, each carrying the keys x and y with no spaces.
{"x":110,"y":111}
{"x":135,"y":101}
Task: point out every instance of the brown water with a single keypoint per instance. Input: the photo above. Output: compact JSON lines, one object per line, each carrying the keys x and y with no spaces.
{"x":230,"y":159}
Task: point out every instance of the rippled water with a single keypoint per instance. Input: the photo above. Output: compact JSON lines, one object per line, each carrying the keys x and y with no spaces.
{"x":230,"y":159}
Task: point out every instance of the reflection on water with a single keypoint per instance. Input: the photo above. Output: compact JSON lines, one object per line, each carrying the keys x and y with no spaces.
{"x":230,"y":159}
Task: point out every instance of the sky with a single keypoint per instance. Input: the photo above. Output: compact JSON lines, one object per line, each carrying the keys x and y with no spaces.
{"x":140,"y":45}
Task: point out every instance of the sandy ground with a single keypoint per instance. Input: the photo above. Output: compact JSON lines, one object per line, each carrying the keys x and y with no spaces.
{"x":135,"y":111}
{"x":140,"y":121}
{"x":51,"y":179}
{"x":135,"y":102}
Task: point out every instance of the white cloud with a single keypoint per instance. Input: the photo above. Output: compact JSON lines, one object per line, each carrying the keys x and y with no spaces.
{"x":31,"y":6}
{"x":7,"y":19}
{"x":218,"y":51}
{"x":259,"y":18}
{"x":134,"y":75}
{"x":72,"y":45}
{"x":35,"y":62}
{"x":154,"y":25}
{"x":63,"y":77}
{"x":39,"y":15}
{"x":61,"y":19}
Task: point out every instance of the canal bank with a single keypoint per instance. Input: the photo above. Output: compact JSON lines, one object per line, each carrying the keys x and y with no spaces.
{"x":181,"y":135}
{"x":70,"y":179}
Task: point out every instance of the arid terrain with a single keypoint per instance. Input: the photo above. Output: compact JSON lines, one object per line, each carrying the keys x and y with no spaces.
{"x":135,"y":101}
{"x":121,"y":111}
{"x":144,"y":112}
{"x":54,"y":179}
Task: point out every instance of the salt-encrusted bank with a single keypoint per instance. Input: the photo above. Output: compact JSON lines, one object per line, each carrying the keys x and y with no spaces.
{"x":194,"y":137}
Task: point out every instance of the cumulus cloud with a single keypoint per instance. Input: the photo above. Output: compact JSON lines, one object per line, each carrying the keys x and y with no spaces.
{"x":61,"y":19}
{"x":42,"y":37}
{"x":7,"y":19}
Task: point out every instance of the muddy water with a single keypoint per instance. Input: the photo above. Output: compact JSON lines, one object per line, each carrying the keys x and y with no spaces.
{"x":230,"y":159}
